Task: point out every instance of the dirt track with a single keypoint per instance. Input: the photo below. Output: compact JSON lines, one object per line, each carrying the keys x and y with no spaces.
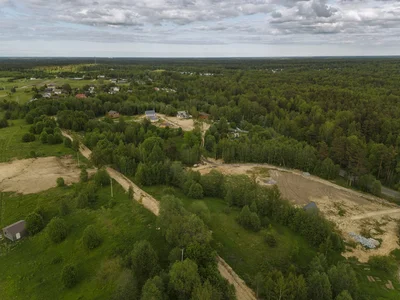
{"x":33,"y":175}
{"x":243,"y":292}
{"x":350,"y":210}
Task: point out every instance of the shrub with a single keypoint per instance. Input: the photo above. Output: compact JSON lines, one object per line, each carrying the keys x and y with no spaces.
{"x":384,"y":263}
{"x":34,"y":223}
{"x":57,"y":230}
{"x":84,"y":176}
{"x":101,"y":178}
{"x":82,"y":201}
{"x":28,"y":137}
{"x":69,"y":276}
{"x":67,"y":143}
{"x":271,"y":240}
{"x":201,"y":210}
{"x":64,"y":209}
{"x":91,"y":239}
{"x":196,"y":191}
{"x":248,"y":219}
{"x":60,"y":182}
{"x":3,"y":123}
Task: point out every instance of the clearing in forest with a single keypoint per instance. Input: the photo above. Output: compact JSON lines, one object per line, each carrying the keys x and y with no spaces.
{"x":350,"y":210}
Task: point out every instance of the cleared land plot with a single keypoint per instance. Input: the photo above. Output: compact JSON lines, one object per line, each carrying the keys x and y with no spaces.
{"x":34,"y":175}
{"x":11,"y":145}
{"x":351,"y":211}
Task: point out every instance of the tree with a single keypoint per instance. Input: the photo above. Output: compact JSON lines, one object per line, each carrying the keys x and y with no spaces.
{"x":69,"y":276}
{"x":34,"y":223}
{"x":43,"y":137}
{"x":319,"y":287}
{"x":200,"y":209}
{"x":28,"y":137}
{"x":101,"y":178}
{"x":67,"y":142}
{"x":153,"y":289}
{"x":57,"y":230}
{"x":184,"y":278}
{"x":344,"y":295}
{"x":195,"y":191}
{"x":342,"y":277}
{"x":84,"y":176}
{"x":60,"y":182}
{"x":91,"y":239}
{"x":82,"y":200}
{"x":144,"y":261}
{"x":64,"y":209}
{"x":3,"y":123}
{"x":203,"y":292}
{"x":270,"y":239}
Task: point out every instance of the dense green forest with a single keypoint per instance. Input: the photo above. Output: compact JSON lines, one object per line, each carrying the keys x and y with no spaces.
{"x":323,"y":116}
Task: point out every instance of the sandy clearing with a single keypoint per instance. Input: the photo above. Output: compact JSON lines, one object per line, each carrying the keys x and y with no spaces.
{"x":185,"y":124}
{"x":350,"y":210}
{"x":243,"y":292}
{"x":33,"y":175}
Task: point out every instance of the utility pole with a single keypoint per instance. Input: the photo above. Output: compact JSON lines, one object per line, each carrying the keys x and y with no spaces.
{"x":112,"y":194}
{"x":182,"y":254}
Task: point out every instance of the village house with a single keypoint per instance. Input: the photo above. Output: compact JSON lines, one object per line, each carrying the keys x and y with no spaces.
{"x":46,"y":95}
{"x":151,"y":115}
{"x":57,"y":92}
{"x":204,"y":116}
{"x":15,"y":231}
{"x":113,"y":90}
{"x":113,"y":114}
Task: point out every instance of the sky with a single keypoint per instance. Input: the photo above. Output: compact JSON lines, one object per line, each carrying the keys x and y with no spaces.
{"x":199,"y":28}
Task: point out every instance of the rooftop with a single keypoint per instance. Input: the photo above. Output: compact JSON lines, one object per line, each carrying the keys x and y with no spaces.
{"x":15,"y":227}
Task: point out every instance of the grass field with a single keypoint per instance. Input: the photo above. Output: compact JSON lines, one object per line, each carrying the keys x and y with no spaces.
{"x":31,"y":267}
{"x":246,"y":251}
{"x":11,"y":145}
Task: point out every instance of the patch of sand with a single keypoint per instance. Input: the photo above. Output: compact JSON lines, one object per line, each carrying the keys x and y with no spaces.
{"x":33,"y":175}
{"x":350,"y":210}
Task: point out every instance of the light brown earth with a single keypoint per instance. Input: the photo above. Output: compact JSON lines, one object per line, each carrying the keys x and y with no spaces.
{"x":243,"y":292}
{"x":350,"y":210}
{"x":33,"y":175}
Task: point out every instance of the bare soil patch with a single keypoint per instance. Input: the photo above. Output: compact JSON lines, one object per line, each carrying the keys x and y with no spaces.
{"x":33,"y":175}
{"x":350,"y":210}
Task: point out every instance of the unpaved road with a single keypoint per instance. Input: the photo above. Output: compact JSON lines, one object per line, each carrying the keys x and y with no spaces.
{"x":243,"y":292}
{"x":376,"y":214}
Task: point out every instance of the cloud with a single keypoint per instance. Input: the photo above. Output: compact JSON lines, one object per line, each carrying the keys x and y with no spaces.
{"x":203,"y":22}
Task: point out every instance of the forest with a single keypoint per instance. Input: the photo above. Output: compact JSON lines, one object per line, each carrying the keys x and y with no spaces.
{"x":332,"y":117}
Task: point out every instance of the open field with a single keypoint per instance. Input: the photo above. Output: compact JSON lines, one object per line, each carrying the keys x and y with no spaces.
{"x":11,"y":145}
{"x":33,"y":265}
{"x":34,"y":175}
{"x":351,"y":211}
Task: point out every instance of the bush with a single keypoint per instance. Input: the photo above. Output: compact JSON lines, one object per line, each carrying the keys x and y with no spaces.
{"x":384,"y":263}
{"x":60,"y":182}
{"x":201,"y":210}
{"x":271,"y":240}
{"x":69,"y":276}
{"x":64,"y":209}
{"x":195,"y":191}
{"x":101,"y":178}
{"x":3,"y":123}
{"x":84,"y":176}
{"x":82,"y":201}
{"x":67,"y":143}
{"x":34,"y":223}
{"x":28,"y":137}
{"x":57,"y":230}
{"x":91,"y":239}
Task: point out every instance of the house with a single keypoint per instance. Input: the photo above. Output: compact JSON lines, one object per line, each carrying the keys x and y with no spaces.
{"x":80,"y":96}
{"x":204,"y":116}
{"x":15,"y":231}
{"x":57,"y":92}
{"x":113,"y":114}
{"x":46,"y":95}
{"x":151,"y":115}
{"x":113,"y":90}
{"x":311,"y":207}
{"x":101,"y":77}
{"x":183,"y":115}
{"x":91,"y":89}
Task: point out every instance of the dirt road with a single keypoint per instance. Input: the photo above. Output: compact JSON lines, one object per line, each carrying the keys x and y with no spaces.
{"x":243,"y":292}
{"x":376,"y":214}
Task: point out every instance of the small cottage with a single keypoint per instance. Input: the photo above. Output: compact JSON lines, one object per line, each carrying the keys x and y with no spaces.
{"x":113,"y":114}
{"x":151,"y":115}
{"x":15,"y":231}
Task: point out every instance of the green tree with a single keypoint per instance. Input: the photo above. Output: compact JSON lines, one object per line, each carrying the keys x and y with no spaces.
{"x":69,"y":276}
{"x":342,"y":277}
{"x":60,"y":182}
{"x":67,"y":142}
{"x":82,"y":200}
{"x":91,"y":239}
{"x":28,"y":137}
{"x":101,"y":178}
{"x":34,"y":223}
{"x":57,"y":230}
{"x":344,"y":295}
{"x":64,"y":209}
{"x":84,"y":176}
{"x":153,"y":289}
{"x":144,"y":261}
{"x":319,"y":287}
{"x":200,"y":209}
{"x":203,"y":292}
{"x":195,"y":191}
{"x":184,"y":278}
